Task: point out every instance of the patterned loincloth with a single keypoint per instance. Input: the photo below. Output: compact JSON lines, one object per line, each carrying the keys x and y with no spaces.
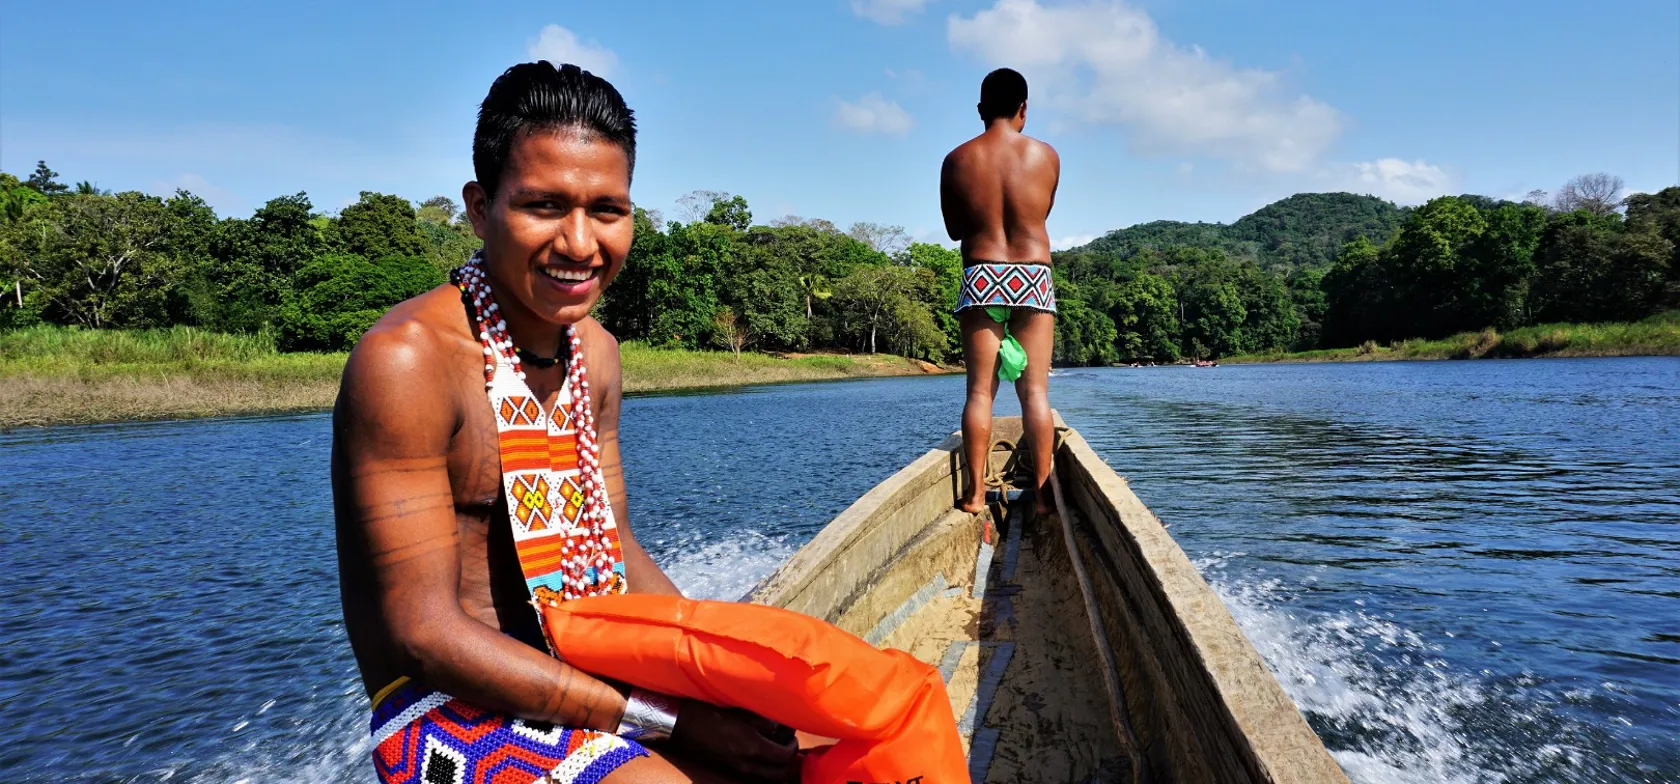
{"x":991,"y":284}
{"x":421,"y":736}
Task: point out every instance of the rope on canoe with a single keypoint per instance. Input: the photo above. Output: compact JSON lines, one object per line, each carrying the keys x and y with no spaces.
{"x":998,"y":477}
{"x":1017,"y":469}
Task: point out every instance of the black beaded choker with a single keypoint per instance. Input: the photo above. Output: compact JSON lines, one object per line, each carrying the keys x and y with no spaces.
{"x":541,"y":362}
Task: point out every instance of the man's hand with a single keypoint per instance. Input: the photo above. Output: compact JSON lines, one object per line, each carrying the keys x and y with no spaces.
{"x":737,"y":742}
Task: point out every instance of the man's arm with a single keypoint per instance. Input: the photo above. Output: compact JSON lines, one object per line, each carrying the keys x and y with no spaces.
{"x":950,"y":200}
{"x":606,"y":388}
{"x":395,"y":423}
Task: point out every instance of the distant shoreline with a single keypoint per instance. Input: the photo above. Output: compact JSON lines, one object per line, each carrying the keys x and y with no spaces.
{"x":1658,"y":336}
{"x":67,"y":383}
{"x":1385,"y":355}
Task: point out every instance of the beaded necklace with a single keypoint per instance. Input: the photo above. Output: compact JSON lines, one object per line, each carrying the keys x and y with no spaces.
{"x":563,"y":526}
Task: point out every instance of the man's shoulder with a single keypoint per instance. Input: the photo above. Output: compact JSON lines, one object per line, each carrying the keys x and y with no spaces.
{"x":964,"y":150}
{"x":411,"y":327}
{"x":406,"y":346}
{"x":1039,"y":146}
{"x":952,"y":158}
{"x":600,"y":347}
{"x":399,"y":397}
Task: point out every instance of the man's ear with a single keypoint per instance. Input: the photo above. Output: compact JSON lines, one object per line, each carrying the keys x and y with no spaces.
{"x":477,"y":206}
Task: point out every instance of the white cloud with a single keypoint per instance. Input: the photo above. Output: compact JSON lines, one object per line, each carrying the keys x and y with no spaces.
{"x":872,"y":114}
{"x":888,"y":12}
{"x":1071,"y":241}
{"x":558,"y":45}
{"x":1104,"y":62}
{"x":1400,"y":181}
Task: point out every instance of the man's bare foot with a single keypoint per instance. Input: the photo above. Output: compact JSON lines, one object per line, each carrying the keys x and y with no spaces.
{"x":1044,"y":503}
{"x":973,"y":504}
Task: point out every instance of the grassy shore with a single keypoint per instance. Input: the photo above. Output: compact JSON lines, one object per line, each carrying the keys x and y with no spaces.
{"x":54,"y":375}
{"x":1658,"y":335}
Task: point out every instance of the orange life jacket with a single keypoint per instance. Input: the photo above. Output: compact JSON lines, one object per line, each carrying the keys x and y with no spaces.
{"x":888,"y":710}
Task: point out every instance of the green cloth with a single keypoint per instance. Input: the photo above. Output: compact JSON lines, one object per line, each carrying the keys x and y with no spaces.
{"x":1012,"y":357}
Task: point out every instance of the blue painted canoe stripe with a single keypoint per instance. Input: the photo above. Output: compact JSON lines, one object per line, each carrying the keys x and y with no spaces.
{"x":897,"y":617}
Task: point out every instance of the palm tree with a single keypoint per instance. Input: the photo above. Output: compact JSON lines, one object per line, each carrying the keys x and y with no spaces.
{"x":813,"y":285}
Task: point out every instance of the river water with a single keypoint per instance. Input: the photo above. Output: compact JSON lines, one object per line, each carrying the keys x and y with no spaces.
{"x":1461,"y":571}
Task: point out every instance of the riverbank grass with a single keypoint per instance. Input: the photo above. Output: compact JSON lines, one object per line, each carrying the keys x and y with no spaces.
{"x":1658,"y":335}
{"x":58,"y":375}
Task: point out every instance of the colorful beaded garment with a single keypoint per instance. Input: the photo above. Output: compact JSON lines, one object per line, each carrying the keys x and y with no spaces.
{"x":991,"y":284}
{"x":421,"y":736}
{"x":563,"y":526}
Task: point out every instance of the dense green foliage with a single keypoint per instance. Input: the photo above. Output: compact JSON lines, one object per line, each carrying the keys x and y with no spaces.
{"x":1162,"y":291}
{"x":129,"y":260}
{"x":1331,"y":270}
{"x":1164,"y":305}
{"x":1459,"y":265}
{"x":795,"y":286}
{"x":316,"y":282}
{"x":1307,"y":229}
{"x":1310,"y":271}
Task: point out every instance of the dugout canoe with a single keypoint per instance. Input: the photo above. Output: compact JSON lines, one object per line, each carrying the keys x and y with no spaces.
{"x":1078,"y":647}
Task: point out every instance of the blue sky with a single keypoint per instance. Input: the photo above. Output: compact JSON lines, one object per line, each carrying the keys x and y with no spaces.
{"x":842,"y":109}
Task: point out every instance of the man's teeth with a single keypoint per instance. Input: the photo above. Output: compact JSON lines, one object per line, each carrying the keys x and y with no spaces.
{"x":568,"y":275}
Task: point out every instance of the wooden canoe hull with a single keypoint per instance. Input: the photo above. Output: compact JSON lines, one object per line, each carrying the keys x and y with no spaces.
{"x":1119,"y":664}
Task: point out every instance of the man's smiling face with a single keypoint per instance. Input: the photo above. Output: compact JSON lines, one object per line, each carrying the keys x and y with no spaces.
{"x":557,"y":230}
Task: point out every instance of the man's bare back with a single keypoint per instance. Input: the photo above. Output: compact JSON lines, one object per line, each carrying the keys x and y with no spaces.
{"x":997,"y":190}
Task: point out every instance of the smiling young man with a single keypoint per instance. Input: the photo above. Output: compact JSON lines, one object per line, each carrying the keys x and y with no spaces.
{"x":475,"y":467}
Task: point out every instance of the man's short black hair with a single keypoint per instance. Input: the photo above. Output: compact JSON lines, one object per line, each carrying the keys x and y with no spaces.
{"x":1001,"y":94}
{"x":538,"y":97}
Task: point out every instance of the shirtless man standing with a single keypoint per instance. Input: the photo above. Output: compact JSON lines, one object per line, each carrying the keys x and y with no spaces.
{"x":470,"y":453}
{"x":996,"y":191}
